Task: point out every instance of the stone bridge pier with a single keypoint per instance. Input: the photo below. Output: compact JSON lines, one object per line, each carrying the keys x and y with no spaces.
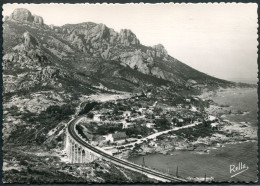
{"x":78,"y":153}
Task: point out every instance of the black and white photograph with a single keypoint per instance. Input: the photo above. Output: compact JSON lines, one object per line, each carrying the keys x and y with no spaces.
{"x":129,"y":93}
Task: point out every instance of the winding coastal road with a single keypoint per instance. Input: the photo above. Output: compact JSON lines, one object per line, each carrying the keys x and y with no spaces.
{"x":123,"y":163}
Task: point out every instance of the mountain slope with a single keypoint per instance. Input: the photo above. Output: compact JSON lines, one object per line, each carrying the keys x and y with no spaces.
{"x":88,"y":50}
{"x":49,"y":72}
{"x":46,"y":65}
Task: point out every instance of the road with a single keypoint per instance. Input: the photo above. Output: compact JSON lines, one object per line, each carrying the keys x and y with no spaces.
{"x":154,"y":135}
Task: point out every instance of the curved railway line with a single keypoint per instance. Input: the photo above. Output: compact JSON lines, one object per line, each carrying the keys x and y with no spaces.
{"x":72,"y":131}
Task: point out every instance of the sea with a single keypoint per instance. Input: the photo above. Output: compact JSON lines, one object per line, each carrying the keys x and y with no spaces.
{"x":218,"y":162}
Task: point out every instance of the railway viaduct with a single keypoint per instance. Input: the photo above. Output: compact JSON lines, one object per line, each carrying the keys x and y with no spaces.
{"x":80,"y":151}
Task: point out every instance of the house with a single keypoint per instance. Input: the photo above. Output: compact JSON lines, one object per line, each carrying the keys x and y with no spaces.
{"x":130,"y":140}
{"x":212,"y":118}
{"x":100,"y":138}
{"x":97,"y":117}
{"x":141,"y":110}
{"x":119,"y":136}
{"x":150,"y":125}
{"x":109,"y":137}
{"x":178,"y":121}
{"x":149,"y":94}
{"x":153,"y":144}
{"x":215,"y":126}
{"x":127,"y":125}
{"x":127,"y":113}
{"x":193,"y":109}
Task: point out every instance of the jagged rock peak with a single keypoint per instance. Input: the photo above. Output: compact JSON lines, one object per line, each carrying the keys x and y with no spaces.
{"x":127,"y":37}
{"x":24,"y":15}
{"x":160,"y":50}
{"x":29,"y":40}
{"x":38,"y":19}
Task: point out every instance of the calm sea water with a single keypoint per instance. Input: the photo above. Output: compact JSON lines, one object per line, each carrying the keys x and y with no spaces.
{"x":217,"y":163}
{"x":243,"y":100}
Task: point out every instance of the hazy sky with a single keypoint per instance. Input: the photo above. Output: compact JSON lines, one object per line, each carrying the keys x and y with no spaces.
{"x":218,"y":39}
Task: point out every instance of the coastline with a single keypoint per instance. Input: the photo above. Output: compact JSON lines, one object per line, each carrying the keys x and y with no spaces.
{"x":229,"y":133}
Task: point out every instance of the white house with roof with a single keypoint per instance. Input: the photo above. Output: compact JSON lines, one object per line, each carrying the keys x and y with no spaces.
{"x":212,"y":118}
{"x":215,"y":126}
{"x":127,"y":113}
{"x":193,"y":109}
{"x":127,"y":125}
{"x":109,"y":137}
{"x":150,"y":125}
{"x":97,"y":117}
{"x":141,"y":110}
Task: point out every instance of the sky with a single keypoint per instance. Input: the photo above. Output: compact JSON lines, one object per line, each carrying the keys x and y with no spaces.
{"x":217,"y":39}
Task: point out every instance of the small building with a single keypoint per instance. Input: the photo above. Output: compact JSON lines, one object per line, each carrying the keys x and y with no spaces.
{"x":178,"y":121}
{"x":193,"y":109}
{"x":109,"y":137}
{"x":150,"y":125}
{"x":215,"y":126}
{"x":98,"y":117}
{"x":212,"y":118}
{"x":127,"y":113}
{"x":130,"y":140}
{"x":141,"y":110}
{"x":127,"y":125}
{"x":119,"y":136}
{"x":153,"y":144}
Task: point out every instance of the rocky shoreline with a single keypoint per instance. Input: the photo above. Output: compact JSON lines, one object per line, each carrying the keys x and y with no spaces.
{"x":228,"y":132}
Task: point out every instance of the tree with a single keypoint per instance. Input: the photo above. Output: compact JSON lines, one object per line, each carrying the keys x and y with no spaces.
{"x":158,"y":110}
{"x":163,"y":124}
{"x":88,"y":107}
{"x":115,"y":111}
{"x":90,"y":115}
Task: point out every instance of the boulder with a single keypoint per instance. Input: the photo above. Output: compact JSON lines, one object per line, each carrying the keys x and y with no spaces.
{"x":29,"y":40}
{"x":106,"y":54}
{"x":160,"y":51}
{"x":127,"y":37}
{"x":157,"y":72}
{"x":38,"y":20}
{"x":22,"y":14}
{"x":48,"y":72}
{"x":150,"y":53}
{"x":8,"y":57}
{"x":135,"y":61}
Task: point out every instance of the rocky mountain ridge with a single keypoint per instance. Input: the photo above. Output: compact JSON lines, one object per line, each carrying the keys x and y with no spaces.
{"x":88,"y":42}
{"x":46,"y":65}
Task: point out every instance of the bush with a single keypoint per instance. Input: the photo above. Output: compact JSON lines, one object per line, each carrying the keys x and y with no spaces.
{"x":88,"y":107}
{"x":43,"y":123}
{"x":163,"y":124}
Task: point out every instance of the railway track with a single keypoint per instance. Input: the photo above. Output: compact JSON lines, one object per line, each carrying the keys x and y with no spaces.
{"x":72,"y":131}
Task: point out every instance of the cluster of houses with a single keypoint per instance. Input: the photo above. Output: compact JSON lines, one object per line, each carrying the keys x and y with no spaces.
{"x":179,"y":115}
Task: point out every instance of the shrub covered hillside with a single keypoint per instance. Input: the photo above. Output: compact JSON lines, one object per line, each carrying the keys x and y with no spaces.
{"x":49,"y":71}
